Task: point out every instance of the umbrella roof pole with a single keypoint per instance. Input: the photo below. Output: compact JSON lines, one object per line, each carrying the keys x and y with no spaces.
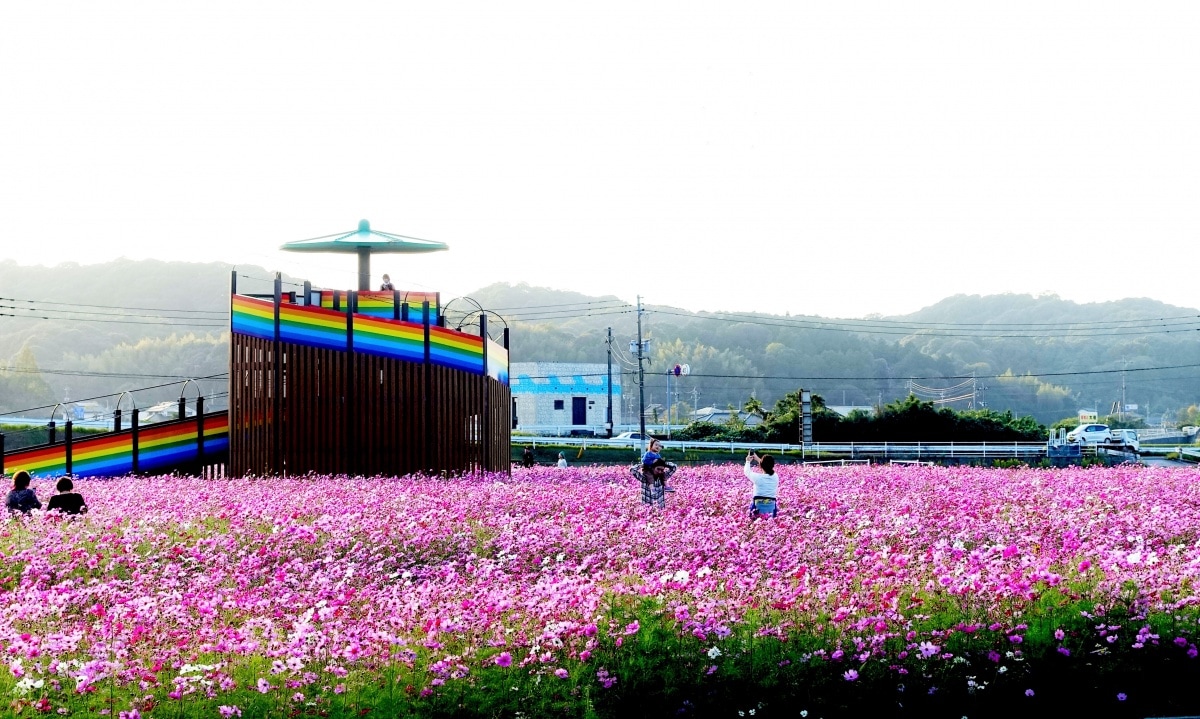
{"x":364,"y":269}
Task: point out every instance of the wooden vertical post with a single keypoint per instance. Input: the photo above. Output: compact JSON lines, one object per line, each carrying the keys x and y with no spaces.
{"x":485,"y":415}
{"x":426,"y":430}
{"x":350,"y":419}
{"x":236,"y":439}
{"x":199,"y":435}
{"x":276,"y":365}
{"x":68,"y":440}
{"x":133,"y":443}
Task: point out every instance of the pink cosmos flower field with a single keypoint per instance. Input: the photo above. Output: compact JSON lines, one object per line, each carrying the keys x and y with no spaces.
{"x":558,"y":592}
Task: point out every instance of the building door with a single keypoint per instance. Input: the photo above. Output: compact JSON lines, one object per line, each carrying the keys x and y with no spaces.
{"x":579,"y":410}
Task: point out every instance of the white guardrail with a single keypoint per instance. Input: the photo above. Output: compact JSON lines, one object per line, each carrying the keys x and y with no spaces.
{"x":906,"y":450}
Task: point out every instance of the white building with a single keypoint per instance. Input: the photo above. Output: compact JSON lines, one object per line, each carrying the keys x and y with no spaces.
{"x":559,"y":396}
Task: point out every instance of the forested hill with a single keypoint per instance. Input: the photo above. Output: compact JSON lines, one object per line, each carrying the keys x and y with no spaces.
{"x":90,"y":330}
{"x":1041,"y":356}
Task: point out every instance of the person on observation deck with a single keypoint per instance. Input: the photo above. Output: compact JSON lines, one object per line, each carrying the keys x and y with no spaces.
{"x":387,"y":285}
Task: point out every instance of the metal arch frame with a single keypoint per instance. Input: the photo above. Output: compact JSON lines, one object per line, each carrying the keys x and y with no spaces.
{"x":122,"y":397}
{"x":186,"y":382}
{"x":445,"y":309}
{"x":479,"y":310}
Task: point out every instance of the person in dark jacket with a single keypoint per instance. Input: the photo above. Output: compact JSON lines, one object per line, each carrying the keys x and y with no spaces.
{"x":67,"y":501}
{"x":22,"y":498}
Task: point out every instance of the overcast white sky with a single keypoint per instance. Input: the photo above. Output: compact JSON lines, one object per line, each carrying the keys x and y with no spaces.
{"x":832,"y":158}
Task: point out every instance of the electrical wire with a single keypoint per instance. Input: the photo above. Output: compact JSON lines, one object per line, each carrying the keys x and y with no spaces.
{"x":110,"y":394}
{"x":924,"y":331}
{"x":112,"y":375}
{"x":905,"y":377}
{"x":119,"y":322}
{"x":222,"y":313}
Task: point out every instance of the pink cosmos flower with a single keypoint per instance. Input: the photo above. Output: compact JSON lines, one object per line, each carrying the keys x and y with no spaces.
{"x":560,"y":673}
{"x":850,"y":675}
{"x":632,"y":627}
{"x":504,"y":659}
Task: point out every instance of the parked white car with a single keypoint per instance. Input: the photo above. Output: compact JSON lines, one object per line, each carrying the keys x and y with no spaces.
{"x":1090,"y":434}
{"x":634,"y":439}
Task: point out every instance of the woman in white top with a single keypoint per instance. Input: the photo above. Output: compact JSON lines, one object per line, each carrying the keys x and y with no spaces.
{"x":761,"y":471}
{"x":562,"y":460}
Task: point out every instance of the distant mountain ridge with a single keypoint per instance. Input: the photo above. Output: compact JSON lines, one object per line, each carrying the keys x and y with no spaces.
{"x":1041,"y":355}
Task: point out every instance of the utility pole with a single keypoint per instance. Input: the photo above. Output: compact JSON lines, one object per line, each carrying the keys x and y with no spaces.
{"x":1125,"y":364}
{"x":668,"y":404}
{"x":610,"y":417}
{"x":641,"y":348}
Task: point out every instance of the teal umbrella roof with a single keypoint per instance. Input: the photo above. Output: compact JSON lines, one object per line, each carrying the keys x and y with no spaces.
{"x":365,"y":238}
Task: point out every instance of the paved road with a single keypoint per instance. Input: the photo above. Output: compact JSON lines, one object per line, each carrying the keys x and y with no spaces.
{"x":1160,"y":462}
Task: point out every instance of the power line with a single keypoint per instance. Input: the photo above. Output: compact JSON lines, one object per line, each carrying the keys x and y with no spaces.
{"x":111,"y":394}
{"x":115,"y":375}
{"x":113,"y":307}
{"x":565,"y":305}
{"x":907,"y":331}
{"x":908,"y":377}
{"x":915,"y":324}
{"x":119,"y":322}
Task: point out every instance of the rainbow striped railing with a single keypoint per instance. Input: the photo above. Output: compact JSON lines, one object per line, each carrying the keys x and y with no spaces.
{"x":369,"y":333}
{"x":160,"y":447}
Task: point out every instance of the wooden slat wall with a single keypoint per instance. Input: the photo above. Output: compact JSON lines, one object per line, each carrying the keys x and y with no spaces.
{"x":250,"y":393}
{"x":351,"y":413}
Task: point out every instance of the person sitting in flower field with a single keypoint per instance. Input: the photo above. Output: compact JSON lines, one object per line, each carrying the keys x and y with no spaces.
{"x":66,"y":501}
{"x":654,"y":477}
{"x":761,"y":471}
{"x":22,"y":498}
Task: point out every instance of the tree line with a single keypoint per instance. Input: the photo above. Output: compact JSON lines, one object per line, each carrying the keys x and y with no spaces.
{"x":904,"y":420}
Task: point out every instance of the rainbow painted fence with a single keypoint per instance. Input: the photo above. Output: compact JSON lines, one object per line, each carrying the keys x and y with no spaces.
{"x":355,"y":390}
{"x":185,"y":445}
